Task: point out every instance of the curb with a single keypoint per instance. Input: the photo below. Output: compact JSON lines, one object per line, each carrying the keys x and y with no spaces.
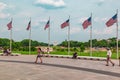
{"x":9,"y":55}
{"x":69,"y":57}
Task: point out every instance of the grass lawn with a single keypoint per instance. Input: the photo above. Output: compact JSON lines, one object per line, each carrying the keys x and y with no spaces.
{"x":94,"y":54}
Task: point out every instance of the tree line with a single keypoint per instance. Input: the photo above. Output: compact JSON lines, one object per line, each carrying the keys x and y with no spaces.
{"x":111,"y":42}
{"x":21,"y":45}
{"x":24,"y":44}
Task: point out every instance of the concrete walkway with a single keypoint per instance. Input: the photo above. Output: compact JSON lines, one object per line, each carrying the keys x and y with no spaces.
{"x":23,"y":68}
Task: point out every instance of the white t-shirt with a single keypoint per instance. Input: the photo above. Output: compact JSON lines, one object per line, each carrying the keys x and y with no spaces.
{"x":109,"y":53}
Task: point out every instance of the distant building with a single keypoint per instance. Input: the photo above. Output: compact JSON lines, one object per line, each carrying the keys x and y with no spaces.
{"x":55,"y":43}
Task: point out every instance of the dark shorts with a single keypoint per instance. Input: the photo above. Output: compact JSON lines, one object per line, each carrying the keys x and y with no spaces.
{"x":39,"y":55}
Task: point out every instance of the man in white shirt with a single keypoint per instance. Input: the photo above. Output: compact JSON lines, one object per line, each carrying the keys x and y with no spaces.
{"x":109,"y":53}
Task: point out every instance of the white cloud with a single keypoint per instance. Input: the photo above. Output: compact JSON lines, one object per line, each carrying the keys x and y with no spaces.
{"x":43,"y":20}
{"x":105,"y":31}
{"x":104,"y":19}
{"x":101,"y":0}
{"x":97,"y":19}
{"x":24,"y":14}
{"x":12,"y":6}
{"x":50,"y":4}
{"x":3,"y":15}
{"x":82,"y":19}
{"x":3,"y":7}
{"x":75,"y":30}
{"x":40,"y":22}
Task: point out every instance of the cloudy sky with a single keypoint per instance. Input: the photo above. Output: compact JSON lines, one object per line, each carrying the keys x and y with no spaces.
{"x":58,"y":11}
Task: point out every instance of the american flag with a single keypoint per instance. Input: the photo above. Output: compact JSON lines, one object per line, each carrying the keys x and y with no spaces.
{"x":66,"y":23}
{"x":9,"y":25}
{"x":29,"y":25}
{"x":47,"y":25}
{"x":111,"y":21}
{"x":86,"y":23}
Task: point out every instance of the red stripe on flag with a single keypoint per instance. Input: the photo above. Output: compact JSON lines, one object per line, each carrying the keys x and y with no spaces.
{"x":65,"y":24}
{"x":47,"y":25}
{"x":111,"y":22}
{"x":9,"y":25}
{"x":86,"y":23}
{"x":29,"y":25}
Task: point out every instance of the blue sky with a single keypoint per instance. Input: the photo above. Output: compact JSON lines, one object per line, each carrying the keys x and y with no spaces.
{"x":58,"y":11}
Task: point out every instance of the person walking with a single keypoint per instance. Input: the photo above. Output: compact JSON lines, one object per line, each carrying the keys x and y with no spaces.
{"x":109,"y":53}
{"x":39,"y":51}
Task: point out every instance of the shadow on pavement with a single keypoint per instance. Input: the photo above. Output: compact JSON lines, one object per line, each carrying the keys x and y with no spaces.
{"x":69,"y":67}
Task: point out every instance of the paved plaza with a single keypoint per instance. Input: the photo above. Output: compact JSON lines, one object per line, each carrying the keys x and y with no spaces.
{"x":23,"y":68}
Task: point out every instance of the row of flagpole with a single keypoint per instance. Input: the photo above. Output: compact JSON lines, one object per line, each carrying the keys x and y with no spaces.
{"x":86,"y":23}
{"x":29,"y":37}
{"x":69,"y":36}
{"x":48,"y":26}
{"x":109,"y":23}
{"x":63,"y":25}
{"x":9,"y":25}
{"x":91,"y":37}
{"x":117,"y":33}
{"x":29,"y":28}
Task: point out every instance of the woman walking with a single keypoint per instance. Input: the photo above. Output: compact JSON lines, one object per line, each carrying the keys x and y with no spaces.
{"x":39,"y":51}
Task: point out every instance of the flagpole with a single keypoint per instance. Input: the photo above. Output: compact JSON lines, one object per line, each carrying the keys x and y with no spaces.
{"x":30,"y":39}
{"x":49,"y":36}
{"x":69,"y":37}
{"x":117,"y":34}
{"x":91,"y":37}
{"x":11,"y":39}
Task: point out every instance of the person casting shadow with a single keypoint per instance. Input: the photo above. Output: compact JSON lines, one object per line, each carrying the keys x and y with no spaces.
{"x":109,"y":53}
{"x":39,"y":55}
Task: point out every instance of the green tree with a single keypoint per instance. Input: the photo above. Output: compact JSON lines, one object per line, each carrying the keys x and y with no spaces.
{"x":82,"y":48}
